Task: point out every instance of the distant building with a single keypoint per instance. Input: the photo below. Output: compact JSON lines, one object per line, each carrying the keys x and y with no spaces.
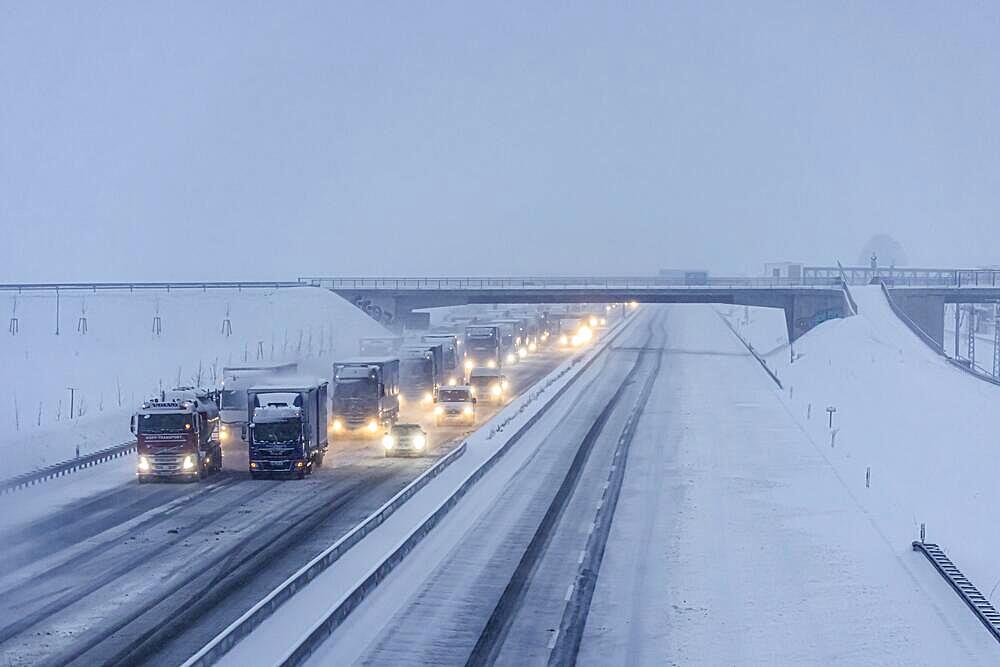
{"x":783,"y":270}
{"x":685,"y":276}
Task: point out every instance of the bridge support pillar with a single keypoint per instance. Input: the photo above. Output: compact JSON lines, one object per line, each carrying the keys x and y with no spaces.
{"x":925,"y":310}
{"x":802,"y":311}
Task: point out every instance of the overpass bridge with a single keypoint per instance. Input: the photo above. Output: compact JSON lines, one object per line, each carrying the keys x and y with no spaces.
{"x":819,"y":294}
{"x":392,"y":300}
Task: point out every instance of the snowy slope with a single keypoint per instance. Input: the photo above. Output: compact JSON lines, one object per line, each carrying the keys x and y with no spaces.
{"x":121,"y":359}
{"x":914,"y":420}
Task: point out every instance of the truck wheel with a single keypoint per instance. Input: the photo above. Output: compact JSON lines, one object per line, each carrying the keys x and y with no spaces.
{"x":300,"y":475}
{"x":142,"y":480}
{"x":319,"y":459}
{"x":255,"y":475}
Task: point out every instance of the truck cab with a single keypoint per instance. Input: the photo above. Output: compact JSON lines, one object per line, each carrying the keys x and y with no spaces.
{"x":489,"y":385}
{"x":176,"y":437}
{"x":455,"y":405}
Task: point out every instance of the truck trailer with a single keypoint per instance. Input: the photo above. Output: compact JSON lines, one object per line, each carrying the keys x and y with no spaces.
{"x":451,"y":350}
{"x":236,"y":380}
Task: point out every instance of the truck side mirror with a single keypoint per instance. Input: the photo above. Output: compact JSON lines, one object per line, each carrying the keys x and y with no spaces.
{"x":131,"y":424}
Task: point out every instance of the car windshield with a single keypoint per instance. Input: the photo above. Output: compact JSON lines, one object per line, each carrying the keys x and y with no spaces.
{"x":453,"y":395}
{"x":166,"y":423}
{"x":405,"y":430}
{"x":275,"y":432}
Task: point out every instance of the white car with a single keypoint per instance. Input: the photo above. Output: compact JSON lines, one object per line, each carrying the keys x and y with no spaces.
{"x":455,"y":405}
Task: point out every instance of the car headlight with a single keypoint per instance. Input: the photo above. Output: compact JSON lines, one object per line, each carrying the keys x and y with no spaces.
{"x":338,"y":425}
{"x":438,"y":410}
{"x":564,"y":340}
{"x":452,"y":382}
{"x":144,"y":464}
{"x":532,"y":347}
{"x":372,"y":426}
{"x":419,"y":442}
{"x":388,"y":442}
{"x":496,"y":390}
{"x":469,"y":364}
{"x":188,"y":463}
{"x":523,"y":352}
{"x":467,"y":410}
{"x":511,"y":358}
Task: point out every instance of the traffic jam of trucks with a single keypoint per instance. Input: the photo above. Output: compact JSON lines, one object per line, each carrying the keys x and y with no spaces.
{"x":287,"y":420}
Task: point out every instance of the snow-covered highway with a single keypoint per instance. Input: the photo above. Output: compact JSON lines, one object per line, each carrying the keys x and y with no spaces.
{"x":734,"y":540}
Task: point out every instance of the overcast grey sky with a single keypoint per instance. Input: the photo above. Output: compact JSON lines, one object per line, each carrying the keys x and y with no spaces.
{"x":264,"y":140}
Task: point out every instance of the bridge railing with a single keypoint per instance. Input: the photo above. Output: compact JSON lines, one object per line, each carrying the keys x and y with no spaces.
{"x":556,"y":282}
{"x":145,"y":286}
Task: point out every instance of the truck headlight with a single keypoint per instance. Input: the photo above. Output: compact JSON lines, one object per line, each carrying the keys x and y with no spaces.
{"x":492,"y":364}
{"x":511,"y":358}
{"x":372,"y":426}
{"x":388,"y":442}
{"x":564,"y":340}
{"x":469,"y":364}
{"x":532,"y":347}
{"x":338,"y":426}
{"x":144,"y":464}
{"x":419,"y":442}
{"x":467,"y":410}
{"x":188,"y":463}
{"x":438,"y":410}
{"x":428,"y":397}
{"x":452,"y":382}
{"x":496,"y":390}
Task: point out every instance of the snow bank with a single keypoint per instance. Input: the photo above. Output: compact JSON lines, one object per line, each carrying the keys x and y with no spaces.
{"x":116,"y":348}
{"x":911,"y":418}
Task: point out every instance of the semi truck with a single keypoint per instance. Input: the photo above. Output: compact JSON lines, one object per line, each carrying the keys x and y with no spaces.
{"x":518,"y":343}
{"x":365,"y":394}
{"x":451,"y":350}
{"x":420,"y":371}
{"x":236,"y":380}
{"x":176,"y":436}
{"x":287,"y":426}
{"x":508,"y":346}
{"x":482,"y":346}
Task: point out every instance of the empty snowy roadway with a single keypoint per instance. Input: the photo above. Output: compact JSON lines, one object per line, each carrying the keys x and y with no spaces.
{"x":733,"y":541}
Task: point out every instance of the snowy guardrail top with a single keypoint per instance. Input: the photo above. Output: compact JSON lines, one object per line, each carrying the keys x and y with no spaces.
{"x":140,"y":286}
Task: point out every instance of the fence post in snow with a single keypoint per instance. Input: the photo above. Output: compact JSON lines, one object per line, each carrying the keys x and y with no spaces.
{"x":868,"y":477}
{"x":833,"y":437}
{"x":923,"y":533}
{"x":830,"y":410}
{"x":809,"y":411}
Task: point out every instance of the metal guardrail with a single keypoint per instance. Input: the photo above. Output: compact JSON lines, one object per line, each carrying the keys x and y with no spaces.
{"x":34,"y":477}
{"x":970,"y":595}
{"x":144,"y":286}
{"x":244,"y":625}
{"x":321,"y":630}
{"x":753,"y":352}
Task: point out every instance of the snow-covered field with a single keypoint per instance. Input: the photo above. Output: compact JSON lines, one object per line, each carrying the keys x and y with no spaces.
{"x":135,"y":343}
{"x":911,"y":418}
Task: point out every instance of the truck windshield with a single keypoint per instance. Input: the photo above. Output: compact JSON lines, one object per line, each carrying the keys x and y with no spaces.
{"x":453,"y":395}
{"x":234,"y":399}
{"x":353,"y":389}
{"x":276,"y":432}
{"x":166,"y":423}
